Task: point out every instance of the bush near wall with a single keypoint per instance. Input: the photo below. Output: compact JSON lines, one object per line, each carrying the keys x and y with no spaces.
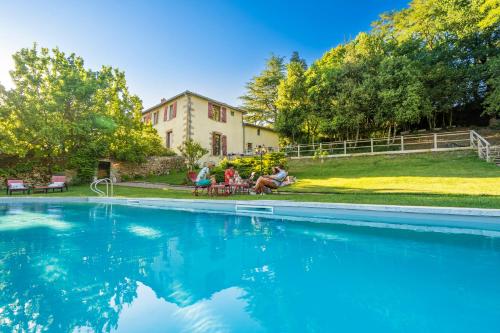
{"x":246,"y":165}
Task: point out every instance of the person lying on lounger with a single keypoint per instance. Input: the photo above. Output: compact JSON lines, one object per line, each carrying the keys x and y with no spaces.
{"x":273,"y":181}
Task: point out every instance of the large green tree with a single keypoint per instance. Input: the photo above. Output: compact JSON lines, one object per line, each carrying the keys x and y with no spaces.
{"x":262,"y":93}
{"x":292,"y":101}
{"x":61,"y":114}
{"x":492,"y":100}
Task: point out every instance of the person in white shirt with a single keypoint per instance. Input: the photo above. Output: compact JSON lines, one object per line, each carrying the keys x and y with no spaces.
{"x":271,"y":181}
{"x":203,"y":176}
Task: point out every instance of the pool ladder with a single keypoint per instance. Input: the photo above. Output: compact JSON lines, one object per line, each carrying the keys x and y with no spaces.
{"x":109,"y":187}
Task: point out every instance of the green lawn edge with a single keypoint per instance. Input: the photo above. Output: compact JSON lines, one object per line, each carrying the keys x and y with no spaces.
{"x":403,"y":199}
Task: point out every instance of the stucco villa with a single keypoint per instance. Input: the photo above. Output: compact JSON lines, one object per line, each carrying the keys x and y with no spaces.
{"x":217,"y":126}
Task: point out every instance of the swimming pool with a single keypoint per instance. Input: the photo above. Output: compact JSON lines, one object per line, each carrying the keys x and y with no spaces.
{"x":101,"y":267}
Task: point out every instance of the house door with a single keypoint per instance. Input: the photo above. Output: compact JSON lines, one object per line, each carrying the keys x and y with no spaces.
{"x":103,"y":169}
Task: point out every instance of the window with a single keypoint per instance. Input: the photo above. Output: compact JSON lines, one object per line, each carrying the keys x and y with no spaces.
{"x":155,"y":118}
{"x":216,"y":144}
{"x":171,"y":112}
{"x":169,"y":140}
{"x":165,"y":114}
{"x":258,"y":131}
{"x":249,"y":147}
{"x":232,"y":113}
{"x":216,"y":112}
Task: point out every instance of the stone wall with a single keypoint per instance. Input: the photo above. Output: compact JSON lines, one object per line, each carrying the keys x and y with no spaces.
{"x":160,"y":165}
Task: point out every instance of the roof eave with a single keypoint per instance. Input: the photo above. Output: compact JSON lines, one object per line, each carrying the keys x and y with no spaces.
{"x":187,"y":92}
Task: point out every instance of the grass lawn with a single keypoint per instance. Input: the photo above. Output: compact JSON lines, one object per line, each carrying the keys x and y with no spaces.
{"x":456,"y":179}
{"x":457,"y":173}
{"x":173,"y":178}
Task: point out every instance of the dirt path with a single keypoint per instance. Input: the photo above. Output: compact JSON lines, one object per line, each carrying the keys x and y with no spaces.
{"x":154,"y":185}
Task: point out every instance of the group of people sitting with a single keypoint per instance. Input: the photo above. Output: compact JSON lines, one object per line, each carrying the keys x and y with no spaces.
{"x":264,"y":184}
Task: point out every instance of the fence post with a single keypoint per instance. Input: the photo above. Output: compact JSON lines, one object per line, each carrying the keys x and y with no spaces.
{"x":487,"y":153}
{"x":435,"y":141}
{"x":321,"y":146}
{"x":402,"y":144}
{"x":371,"y":145}
{"x":471,"y":135}
{"x":345,"y":147}
{"x":298,"y":150}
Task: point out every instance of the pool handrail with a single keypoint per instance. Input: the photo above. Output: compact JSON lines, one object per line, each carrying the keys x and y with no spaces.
{"x":109,"y":186}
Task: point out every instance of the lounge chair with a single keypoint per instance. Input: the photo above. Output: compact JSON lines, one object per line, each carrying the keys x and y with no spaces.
{"x":58,"y":182}
{"x":289,"y":180}
{"x":192,"y":175}
{"x":16,"y":185}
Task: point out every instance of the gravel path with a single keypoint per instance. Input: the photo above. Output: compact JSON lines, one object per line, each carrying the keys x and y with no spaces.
{"x":153,"y":185}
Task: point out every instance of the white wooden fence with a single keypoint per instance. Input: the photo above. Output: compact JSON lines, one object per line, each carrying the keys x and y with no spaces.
{"x":377,"y":146}
{"x":403,"y":144}
{"x":485,"y":150}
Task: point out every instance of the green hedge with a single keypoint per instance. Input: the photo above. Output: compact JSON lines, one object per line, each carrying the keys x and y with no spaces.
{"x":246,"y":165}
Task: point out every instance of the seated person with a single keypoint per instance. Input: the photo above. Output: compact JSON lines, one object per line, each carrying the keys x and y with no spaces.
{"x":229,"y":174}
{"x":273,"y":181}
{"x":237,"y":178}
{"x":203,"y":179}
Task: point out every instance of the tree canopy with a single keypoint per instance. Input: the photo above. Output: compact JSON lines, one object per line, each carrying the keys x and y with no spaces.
{"x":262,"y":90}
{"x":433,"y":64}
{"x":61,"y":114}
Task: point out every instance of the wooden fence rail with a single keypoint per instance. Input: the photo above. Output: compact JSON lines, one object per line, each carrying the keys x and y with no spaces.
{"x":374,"y":146}
{"x":403,"y":144}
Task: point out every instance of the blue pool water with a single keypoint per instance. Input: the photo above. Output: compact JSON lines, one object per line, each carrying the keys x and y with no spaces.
{"x":85,"y":268}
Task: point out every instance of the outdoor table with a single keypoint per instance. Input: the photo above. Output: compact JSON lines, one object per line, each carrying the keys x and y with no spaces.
{"x":240,"y":188}
{"x":43,"y":189}
{"x":220,"y":189}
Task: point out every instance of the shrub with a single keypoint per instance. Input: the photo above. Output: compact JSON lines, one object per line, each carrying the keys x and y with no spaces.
{"x":247,"y":165}
{"x":192,"y":151}
{"x":165,"y":152}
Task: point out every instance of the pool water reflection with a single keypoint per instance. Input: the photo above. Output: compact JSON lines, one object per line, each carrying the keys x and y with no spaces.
{"x":86,"y":268}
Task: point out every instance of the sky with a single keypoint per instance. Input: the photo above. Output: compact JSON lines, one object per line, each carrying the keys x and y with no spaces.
{"x":166,"y":47}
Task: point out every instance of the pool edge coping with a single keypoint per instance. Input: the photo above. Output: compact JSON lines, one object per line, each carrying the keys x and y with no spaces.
{"x":455,"y":211}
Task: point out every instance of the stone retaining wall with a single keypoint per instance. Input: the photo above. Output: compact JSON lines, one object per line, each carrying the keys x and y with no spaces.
{"x":159,"y":165}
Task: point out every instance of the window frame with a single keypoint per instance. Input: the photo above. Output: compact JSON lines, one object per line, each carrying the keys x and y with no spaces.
{"x":168,"y":139}
{"x":216,"y":112}
{"x":171,"y":111}
{"x":213,"y":144}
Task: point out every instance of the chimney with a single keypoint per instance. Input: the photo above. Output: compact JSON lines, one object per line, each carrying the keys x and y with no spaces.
{"x":163,"y":100}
